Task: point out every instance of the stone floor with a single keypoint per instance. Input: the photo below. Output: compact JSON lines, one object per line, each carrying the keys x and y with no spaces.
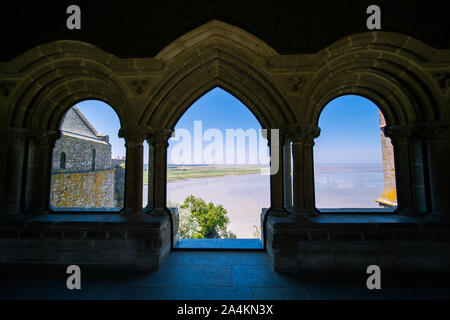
{"x":215,"y":275}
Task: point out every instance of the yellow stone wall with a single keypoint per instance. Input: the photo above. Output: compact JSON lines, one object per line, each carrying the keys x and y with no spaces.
{"x":93,"y":189}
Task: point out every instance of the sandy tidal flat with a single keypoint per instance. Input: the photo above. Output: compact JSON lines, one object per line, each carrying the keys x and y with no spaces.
{"x":337,"y":186}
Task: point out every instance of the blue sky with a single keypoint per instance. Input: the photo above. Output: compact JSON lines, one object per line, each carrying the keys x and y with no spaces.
{"x":350,"y":125}
{"x":350,"y":132}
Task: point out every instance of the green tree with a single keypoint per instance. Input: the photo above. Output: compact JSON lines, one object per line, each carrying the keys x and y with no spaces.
{"x":212,"y":220}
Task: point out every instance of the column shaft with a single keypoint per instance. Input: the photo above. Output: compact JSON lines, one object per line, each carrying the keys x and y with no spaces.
{"x":303,"y":136}
{"x":298,"y":177}
{"x":439,"y":176}
{"x":39,"y":170}
{"x":287,"y":165}
{"x":400,"y":137}
{"x":276,"y":174}
{"x":403,"y":177}
{"x":12,"y":172}
{"x":159,"y":139}
{"x":134,"y":168}
{"x":437,"y":144}
{"x":134,"y":177}
{"x":151,"y":176}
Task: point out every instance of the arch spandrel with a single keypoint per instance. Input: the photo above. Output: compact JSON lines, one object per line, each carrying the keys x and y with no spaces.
{"x":391,"y":69}
{"x":211,"y":30}
{"x":59,"y":74}
{"x":217,"y":54}
{"x":387,"y":68}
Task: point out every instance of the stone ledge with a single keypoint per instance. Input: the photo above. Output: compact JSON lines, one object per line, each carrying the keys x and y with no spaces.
{"x":86,"y":239}
{"x":409,"y":243}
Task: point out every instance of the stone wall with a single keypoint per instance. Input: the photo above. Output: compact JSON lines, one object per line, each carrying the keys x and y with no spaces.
{"x":119,"y":185}
{"x":388,"y":197}
{"x":107,"y":240}
{"x":83,"y":190}
{"x":79,"y":154}
{"x":404,"y":245}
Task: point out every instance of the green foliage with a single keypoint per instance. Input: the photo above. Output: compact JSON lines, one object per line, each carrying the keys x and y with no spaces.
{"x":188,"y":225}
{"x":200,"y":220}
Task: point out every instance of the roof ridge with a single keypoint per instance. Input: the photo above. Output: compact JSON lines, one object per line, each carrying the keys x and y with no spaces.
{"x":86,"y":121}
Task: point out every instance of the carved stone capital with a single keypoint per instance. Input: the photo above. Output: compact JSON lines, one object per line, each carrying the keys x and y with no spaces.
{"x":45,"y":137}
{"x":302,"y":133}
{"x":160,"y":136}
{"x":12,"y":136}
{"x":273,"y":133}
{"x":399,"y":133}
{"x":434,"y":130}
{"x":134,"y":135}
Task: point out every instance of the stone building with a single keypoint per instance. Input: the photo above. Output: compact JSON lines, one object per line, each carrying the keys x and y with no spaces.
{"x":388,"y":197}
{"x":285,"y":61}
{"x":82,"y":172}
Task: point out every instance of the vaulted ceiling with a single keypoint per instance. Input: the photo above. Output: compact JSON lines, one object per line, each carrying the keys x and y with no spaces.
{"x":142,"y":30}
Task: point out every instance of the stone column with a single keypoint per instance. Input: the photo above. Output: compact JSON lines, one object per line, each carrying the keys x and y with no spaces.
{"x":39,"y":170}
{"x":151,"y":174}
{"x":437,"y":143}
{"x":12,"y":145}
{"x":302,"y":136}
{"x":134,"y":166}
{"x":276,"y":173}
{"x":400,"y":137}
{"x":159,"y":140}
{"x":287,"y":165}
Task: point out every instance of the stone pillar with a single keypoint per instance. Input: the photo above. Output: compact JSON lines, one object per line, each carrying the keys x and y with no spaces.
{"x":302,"y":136}
{"x":276,"y":173}
{"x":287,"y":165}
{"x":134,"y":166}
{"x":151,"y":174}
{"x":12,"y":145}
{"x":437,"y":144}
{"x":159,"y":140}
{"x":39,"y":170}
{"x":400,"y":138}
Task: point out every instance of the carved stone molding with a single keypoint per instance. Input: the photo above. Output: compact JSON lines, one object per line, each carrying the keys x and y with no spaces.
{"x":134,"y":135}
{"x":399,"y":133}
{"x":442,"y":79}
{"x":14,"y":135}
{"x":45,"y":137}
{"x":434,"y":130}
{"x":6,"y":88}
{"x":160,"y":136}
{"x":139,"y":85}
{"x":273,"y":133}
{"x":294,"y":84}
{"x":302,"y":133}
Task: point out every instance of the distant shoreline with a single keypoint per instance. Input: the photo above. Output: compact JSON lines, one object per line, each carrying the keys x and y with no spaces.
{"x":191,"y":172}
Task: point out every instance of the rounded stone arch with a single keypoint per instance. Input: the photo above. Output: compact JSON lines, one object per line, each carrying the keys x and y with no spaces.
{"x":60,"y":74}
{"x":354,"y":88}
{"x":217,"y":55}
{"x":382,"y":67}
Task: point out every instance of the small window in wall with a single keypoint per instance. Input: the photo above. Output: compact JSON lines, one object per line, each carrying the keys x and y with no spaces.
{"x":353,"y":160}
{"x":88,"y":165}
{"x":62,"y":160}
{"x":93,"y":160}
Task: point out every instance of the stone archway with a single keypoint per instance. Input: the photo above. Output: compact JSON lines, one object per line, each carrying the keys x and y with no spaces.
{"x":216,"y":55}
{"x":406,"y":78}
